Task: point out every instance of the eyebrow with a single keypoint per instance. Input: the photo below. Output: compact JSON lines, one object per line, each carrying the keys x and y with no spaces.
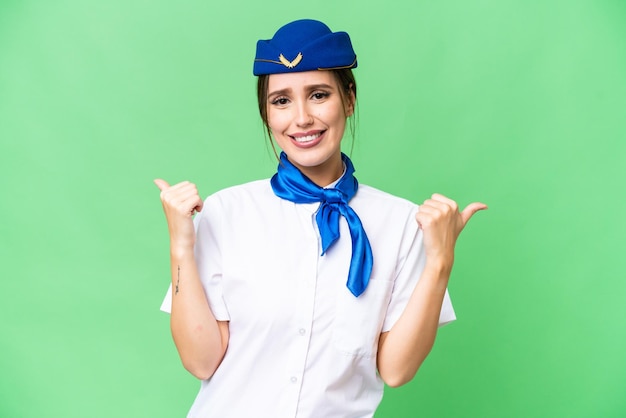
{"x":308,"y":88}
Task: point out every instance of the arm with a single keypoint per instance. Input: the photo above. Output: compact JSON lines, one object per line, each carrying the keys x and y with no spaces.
{"x":402,"y":350}
{"x":200,"y":339}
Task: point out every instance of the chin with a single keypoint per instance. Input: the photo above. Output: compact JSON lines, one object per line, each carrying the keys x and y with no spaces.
{"x":309,"y":158}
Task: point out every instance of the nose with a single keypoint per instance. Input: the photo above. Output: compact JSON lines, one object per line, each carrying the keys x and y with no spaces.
{"x":303,"y":116}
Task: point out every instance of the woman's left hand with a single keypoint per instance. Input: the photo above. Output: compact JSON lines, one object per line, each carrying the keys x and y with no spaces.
{"x":440,"y":220}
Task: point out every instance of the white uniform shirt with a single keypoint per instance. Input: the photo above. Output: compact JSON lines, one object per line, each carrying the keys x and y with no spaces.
{"x":301,"y":345}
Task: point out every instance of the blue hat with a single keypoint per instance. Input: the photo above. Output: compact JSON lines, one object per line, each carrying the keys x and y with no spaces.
{"x":304,"y":45}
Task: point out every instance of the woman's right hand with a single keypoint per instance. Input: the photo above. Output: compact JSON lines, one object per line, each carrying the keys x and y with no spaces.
{"x":180,"y":202}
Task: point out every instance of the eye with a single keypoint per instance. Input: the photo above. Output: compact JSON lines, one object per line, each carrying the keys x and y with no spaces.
{"x":280,"y":101}
{"x":320,"y":95}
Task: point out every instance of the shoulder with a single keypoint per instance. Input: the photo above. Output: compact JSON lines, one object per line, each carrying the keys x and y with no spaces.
{"x":252,"y":191}
{"x":235,"y":205}
{"x":368,"y":196}
{"x":238,"y":200}
{"x":385,"y":215}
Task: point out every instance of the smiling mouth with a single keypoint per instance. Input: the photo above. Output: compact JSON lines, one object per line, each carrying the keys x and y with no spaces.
{"x":302,"y":139}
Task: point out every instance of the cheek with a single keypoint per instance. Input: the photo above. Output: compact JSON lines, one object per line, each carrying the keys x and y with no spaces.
{"x":338,"y":118}
{"x":277,"y":121}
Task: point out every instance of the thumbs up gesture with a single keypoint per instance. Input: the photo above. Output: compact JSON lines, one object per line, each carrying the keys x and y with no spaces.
{"x":442,"y":222}
{"x":180,"y":202}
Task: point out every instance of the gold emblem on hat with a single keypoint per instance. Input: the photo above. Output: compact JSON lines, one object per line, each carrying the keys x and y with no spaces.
{"x":290,"y":64}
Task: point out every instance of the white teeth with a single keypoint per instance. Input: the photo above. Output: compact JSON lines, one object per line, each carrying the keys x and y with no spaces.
{"x":307,"y":138}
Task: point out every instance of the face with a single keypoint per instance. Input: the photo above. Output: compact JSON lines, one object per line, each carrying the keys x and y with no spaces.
{"x":307,"y":118}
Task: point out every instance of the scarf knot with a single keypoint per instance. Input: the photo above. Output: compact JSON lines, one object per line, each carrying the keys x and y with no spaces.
{"x":290,"y":184}
{"x":333,"y":196}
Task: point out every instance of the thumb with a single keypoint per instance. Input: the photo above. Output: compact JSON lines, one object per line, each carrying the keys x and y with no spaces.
{"x":161,"y":184}
{"x":470,"y":210}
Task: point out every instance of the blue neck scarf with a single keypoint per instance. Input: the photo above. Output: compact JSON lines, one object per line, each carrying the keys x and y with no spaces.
{"x":290,"y":184}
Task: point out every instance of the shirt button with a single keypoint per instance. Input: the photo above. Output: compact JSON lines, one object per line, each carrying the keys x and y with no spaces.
{"x":293,"y":379}
{"x":301,"y":331}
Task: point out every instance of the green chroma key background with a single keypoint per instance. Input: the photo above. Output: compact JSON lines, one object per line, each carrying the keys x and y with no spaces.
{"x":520,"y":104}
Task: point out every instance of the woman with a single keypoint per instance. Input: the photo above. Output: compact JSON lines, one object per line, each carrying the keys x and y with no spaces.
{"x":300,"y":295}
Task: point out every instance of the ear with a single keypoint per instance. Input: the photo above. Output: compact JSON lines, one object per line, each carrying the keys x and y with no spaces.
{"x":351,"y":101}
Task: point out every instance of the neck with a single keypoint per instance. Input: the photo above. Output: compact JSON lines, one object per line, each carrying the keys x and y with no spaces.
{"x":325,"y":173}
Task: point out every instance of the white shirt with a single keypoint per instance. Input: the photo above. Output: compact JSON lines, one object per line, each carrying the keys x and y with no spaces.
{"x":301,"y":345}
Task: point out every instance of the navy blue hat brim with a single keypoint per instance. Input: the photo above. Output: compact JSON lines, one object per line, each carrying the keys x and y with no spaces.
{"x":304,"y":45}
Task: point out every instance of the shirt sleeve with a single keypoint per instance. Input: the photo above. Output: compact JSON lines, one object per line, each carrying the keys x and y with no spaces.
{"x":411,"y":262}
{"x":208,"y":256}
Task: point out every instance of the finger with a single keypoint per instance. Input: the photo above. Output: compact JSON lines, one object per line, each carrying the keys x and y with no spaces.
{"x":443,"y":199}
{"x":426,"y":216}
{"x":182,"y":191}
{"x":428,"y":209}
{"x":183,"y":185}
{"x":185,"y":193}
{"x":179,"y":192}
{"x":470,"y":210}
{"x":194,"y":203}
{"x":186,"y":200}
{"x":443,"y":207}
{"x":161,"y":184}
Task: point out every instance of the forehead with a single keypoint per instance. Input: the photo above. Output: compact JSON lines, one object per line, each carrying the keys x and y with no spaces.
{"x":300,"y":80}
